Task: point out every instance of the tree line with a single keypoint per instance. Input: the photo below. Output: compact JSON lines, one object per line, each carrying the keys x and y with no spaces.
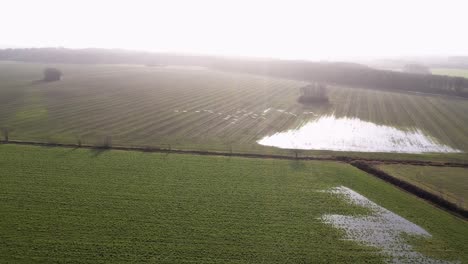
{"x":349,"y":74}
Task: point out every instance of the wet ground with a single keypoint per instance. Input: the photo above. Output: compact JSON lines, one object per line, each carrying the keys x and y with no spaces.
{"x":381,"y":228}
{"x":353,"y":134}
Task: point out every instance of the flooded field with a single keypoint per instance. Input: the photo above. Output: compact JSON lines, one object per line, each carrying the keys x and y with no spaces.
{"x":198,"y":108}
{"x":353,"y":134}
{"x":382,"y":229}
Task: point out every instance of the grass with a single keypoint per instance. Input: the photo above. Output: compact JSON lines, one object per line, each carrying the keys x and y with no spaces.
{"x":160,"y":106}
{"x":448,"y":182}
{"x":83,"y":206}
{"x":451,"y":72}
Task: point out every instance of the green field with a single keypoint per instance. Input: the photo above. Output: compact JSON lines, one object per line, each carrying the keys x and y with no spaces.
{"x":85,"y":206}
{"x":196,"y":108}
{"x":450,"y":72}
{"x":449,"y":183}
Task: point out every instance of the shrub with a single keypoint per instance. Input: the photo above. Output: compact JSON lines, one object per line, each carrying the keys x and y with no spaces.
{"x":52,"y":74}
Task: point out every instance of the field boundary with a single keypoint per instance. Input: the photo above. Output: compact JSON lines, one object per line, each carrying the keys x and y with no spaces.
{"x":416,"y":190}
{"x":345,"y":159}
{"x":362,"y":164}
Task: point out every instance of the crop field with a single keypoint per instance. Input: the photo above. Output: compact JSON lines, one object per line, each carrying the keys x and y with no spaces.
{"x":449,"y":183}
{"x":450,"y":72}
{"x":196,"y":108}
{"x":141,"y":105}
{"x":90,"y":206}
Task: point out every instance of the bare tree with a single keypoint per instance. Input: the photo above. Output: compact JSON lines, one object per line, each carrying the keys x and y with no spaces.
{"x":458,"y":84}
{"x":5,"y":132}
{"x":107,"y":142}
{"x":296,"y":152}
{"x":313,"y":93}
{"x":78,"y":141}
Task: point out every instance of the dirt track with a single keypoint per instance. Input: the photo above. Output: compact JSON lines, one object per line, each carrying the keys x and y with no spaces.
{"x":346,"y":159}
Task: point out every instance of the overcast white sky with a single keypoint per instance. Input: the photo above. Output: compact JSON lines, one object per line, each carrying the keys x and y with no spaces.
{"x":320,"y":29}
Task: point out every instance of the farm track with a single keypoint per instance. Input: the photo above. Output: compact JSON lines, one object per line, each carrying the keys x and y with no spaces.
{"x":345,"y":159}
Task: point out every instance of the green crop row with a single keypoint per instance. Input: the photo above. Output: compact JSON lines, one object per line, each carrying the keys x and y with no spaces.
{"x":87,"y":206}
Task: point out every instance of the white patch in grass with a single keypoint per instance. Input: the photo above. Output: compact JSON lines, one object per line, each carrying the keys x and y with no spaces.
{"x":382,"y":229}
{"x":266,"y":111}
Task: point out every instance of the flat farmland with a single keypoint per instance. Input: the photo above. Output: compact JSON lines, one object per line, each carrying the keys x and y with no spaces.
{"x":447,"y":182}
{"x":450,"y":72}
{"x":197,"y":108}
{"x":89,"y":206}
{"x":141,"y":105}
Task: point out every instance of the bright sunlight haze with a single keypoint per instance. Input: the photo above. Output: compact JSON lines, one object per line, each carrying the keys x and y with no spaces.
{"x":282,"y":29}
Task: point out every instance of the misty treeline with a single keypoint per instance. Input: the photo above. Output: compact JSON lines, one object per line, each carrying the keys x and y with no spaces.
{"x":416,"y":68}
{"x":349,"y":74}
{"x":354,"y":75}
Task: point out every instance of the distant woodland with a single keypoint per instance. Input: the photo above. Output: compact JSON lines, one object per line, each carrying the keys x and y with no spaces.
{"x":348,"y":74}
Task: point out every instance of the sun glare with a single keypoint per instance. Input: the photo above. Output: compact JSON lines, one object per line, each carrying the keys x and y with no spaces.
{"x":285,"y":29}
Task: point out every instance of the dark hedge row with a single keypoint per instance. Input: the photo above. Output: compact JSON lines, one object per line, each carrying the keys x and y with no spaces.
{"x":411,"y":188}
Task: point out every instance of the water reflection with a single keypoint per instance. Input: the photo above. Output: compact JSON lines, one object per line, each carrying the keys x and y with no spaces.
{"x":353,"y":134}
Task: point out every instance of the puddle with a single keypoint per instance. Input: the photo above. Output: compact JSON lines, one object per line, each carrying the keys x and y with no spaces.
{"x":353,"y":134}
{"x":266,"y":111}
{"x":310,"y":113}
{"x":381,"y":229}
{"x":236,"y":116}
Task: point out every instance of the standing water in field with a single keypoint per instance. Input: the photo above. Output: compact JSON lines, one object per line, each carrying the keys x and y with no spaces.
{"x":381,"y":228}
{"x":353,"y":134}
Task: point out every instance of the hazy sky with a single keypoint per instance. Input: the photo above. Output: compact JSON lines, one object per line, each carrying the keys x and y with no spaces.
{"x":321,"y":29}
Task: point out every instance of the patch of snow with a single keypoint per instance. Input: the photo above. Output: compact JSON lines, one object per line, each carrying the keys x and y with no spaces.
{"x":353,"y":134}
{"x":381,"y":229}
